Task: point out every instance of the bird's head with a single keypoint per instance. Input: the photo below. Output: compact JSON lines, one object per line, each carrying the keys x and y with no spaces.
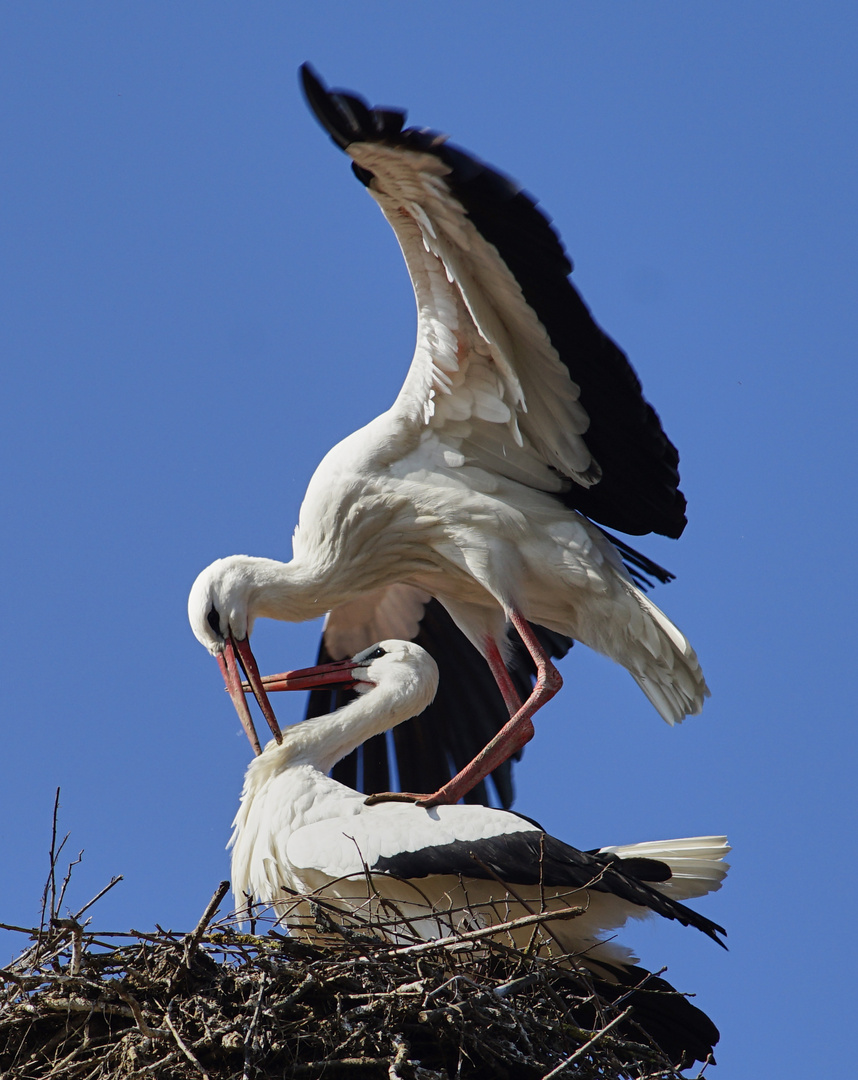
{"x":221,"y":601}
{"x":400,"y":672}
{"x":403,"y":669}
{"x":221,"y":614}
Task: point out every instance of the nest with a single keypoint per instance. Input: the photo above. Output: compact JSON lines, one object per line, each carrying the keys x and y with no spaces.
{"x":219,"y":1003}
{"x":365,"y":1000}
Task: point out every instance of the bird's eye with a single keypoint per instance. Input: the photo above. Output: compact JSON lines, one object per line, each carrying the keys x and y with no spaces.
{"x":376,"y":654}
{"x":213,"y":619}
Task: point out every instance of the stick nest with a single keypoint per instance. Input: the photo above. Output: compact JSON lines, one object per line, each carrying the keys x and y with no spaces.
{"x":218,"y":1003}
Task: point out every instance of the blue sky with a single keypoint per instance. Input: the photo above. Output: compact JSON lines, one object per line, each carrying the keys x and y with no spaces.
{"x":198,"y":300}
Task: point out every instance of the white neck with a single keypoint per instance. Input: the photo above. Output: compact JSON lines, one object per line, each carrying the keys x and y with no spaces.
{"x":292,"y":592}
{"x":323,"y":740}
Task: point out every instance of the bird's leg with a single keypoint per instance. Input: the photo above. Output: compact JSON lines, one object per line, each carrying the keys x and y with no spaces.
{"x":502,"y":676}
{"x":548,"y":680}
{"x":512,"y":736}
{"x":239,"y":652}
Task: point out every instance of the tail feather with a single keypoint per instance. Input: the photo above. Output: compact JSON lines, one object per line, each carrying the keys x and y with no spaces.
{"x":670,"y":674}
{"x":696,"y":863}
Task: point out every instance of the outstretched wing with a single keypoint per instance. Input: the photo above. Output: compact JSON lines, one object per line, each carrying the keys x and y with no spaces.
{"x":509,"y":363}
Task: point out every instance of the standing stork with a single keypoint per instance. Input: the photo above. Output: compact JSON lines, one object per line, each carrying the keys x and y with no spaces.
{"x":407,"y":871}
{"x":518,"y":417}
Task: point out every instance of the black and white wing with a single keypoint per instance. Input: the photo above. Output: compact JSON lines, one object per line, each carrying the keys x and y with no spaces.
{"x":478,"y":842}
{"x":509,"y":362}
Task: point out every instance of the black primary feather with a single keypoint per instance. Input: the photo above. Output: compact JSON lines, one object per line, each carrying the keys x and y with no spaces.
{"x":684,"y":1032}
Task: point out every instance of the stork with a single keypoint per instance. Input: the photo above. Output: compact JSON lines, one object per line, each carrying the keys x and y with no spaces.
{"x":408,"y":872}
{"x":518,"y":417}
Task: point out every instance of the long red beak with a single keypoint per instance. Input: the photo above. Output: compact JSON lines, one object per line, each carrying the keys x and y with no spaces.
{"x":338,"y":673}
{"x":239,"y":652}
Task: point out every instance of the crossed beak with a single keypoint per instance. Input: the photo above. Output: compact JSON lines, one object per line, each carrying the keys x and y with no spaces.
{"x":237,"y":653}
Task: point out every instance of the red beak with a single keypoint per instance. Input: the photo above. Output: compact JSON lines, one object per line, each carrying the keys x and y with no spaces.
{"x":338,"y":673}
{"x":239,"y":652}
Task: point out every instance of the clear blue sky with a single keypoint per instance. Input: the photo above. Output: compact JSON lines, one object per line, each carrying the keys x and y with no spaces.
{"x":198,"y":300}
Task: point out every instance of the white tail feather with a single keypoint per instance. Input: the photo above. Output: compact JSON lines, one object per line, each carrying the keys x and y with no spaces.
{"x":671,"y":679}
{"x":696,"y":863}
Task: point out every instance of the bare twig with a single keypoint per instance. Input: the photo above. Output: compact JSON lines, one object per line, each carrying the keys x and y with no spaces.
{"x":591,"y":1042}
{"x":250,"y":1038}
{"x":113,"y":881}
{"x":488,"y":931}
{"x":77,"y":941}
{"x":66,"y":880}
{"x":193,"y":939}
{"x":134,"y":1005}
{"x":181,"y":1044}
{"x":49,"y":891}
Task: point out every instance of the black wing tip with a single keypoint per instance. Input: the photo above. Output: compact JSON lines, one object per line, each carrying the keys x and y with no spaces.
{"x":332,"y":110}
{"x":682,"y":1030}
{"x":346,"y":116}
{"x":639,"y":491}
{"x":643,"y":570}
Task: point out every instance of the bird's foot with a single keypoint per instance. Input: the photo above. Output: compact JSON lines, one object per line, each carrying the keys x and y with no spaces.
{"x":394,"y":796}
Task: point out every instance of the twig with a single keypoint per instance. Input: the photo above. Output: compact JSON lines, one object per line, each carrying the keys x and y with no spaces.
{"x":67,"y":879}
{"x":488,"y":931}
{"x":309,"y":983}
{"x":49,"y":891}
{"x":400,"y":1058}
{"x":185,"y":1050}
{"x":134,"y":1005}
{"x":193,"y":939}
{"x":513,"y":987}
{"x":113,"y":881}
{"x":19,"y":929}
{"x":251,"y":1031}
{"x":590,"y":1042}
{"x":77,"y":941}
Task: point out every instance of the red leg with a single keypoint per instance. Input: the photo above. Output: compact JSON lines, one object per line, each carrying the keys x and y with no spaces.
{"x":512,"y":736}
{"x":501,"y":674}
{"x":548,"y":680}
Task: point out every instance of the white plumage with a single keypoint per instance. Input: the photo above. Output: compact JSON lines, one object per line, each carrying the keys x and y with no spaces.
{"x":515,"y":411}
{"x":298,"y":832}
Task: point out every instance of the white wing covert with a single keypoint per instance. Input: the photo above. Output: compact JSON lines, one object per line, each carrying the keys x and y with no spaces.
{"x":350,"y":844}
{"x":485,"y":376}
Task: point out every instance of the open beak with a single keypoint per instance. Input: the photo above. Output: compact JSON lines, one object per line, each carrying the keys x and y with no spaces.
{"x":237,"y":653}
{"x":338,"y":673}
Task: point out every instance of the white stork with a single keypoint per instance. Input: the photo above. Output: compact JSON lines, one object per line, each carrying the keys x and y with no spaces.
{"x":518,"y":416}
{"x":412,"y":872}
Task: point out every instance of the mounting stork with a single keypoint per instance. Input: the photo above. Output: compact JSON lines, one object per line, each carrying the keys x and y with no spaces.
{"x":518,"y":416}
{"x":410,"y":872}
